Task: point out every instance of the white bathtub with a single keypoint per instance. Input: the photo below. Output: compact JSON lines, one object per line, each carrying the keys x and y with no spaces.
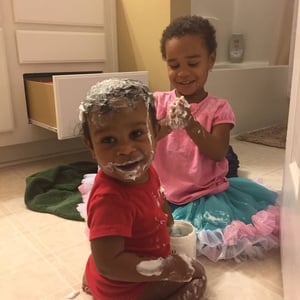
{"x":257,"y":92}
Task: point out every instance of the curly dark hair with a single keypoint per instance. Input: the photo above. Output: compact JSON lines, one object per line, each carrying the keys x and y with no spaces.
{"x":189,"y":25}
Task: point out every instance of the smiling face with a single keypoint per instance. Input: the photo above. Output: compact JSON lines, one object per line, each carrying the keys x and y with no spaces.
{"x":188,"y":62}
{"x":122,"y":141}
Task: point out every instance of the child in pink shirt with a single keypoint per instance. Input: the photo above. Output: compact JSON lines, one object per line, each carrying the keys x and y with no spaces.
{"x":235,"y":217}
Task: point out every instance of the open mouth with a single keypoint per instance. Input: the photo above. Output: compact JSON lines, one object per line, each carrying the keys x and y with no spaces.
{"x":128,"y":166}
{"x":185,"y":82}
{"x":130,"y":170}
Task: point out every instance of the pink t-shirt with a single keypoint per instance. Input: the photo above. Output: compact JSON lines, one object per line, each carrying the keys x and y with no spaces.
{"x":134,"y":212}
{"x":185,"y":173}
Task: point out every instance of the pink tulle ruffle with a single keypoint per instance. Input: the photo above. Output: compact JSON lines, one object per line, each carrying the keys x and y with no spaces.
{"x":84,"y":189}
{"x":242,"y":241}
{"x":265,"y":222}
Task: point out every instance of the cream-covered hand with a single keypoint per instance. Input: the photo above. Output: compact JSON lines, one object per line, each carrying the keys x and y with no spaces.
{"x":177,"y":268}
{"x":179,"y":113}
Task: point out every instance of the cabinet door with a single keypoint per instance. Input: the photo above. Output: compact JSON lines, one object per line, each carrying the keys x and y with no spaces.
{"x":70,"y":90}
{"x":290,"y":207}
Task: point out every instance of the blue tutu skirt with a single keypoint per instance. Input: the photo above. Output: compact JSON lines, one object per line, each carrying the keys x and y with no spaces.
{"x":241,"y":222}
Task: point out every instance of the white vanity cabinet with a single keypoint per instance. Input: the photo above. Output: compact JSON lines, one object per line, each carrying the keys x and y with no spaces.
{"x":53,"y":101}
{"x":50,"y":37}
{"x":66,"y":32}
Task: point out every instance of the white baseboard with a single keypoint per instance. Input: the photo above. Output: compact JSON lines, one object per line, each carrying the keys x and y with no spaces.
{"x":22,"y":153}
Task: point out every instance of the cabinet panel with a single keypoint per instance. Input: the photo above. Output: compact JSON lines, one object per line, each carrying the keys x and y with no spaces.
{"x":59,"y":47}
{"x":6,"y":114}
{"x":69,"y":12}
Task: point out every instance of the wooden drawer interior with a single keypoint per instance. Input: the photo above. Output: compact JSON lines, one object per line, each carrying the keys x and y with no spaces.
{"x":40,"y":97}
{"x":40,"y":101}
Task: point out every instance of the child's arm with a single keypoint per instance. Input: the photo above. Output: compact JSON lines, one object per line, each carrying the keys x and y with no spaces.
{"x":112,"y":262}
{"x":213,"y":144}
{"x":166,"y":209}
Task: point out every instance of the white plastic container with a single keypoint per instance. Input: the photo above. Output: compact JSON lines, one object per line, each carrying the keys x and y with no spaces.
{"x":183,"y":238}
{"x":236,"y":48}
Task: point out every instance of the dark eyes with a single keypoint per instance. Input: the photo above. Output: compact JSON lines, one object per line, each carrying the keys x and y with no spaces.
{"x":133,"y":135}
{"x":173,"y":67}
{"x":136,"y":133}
{"x":108,"y":140}
{"x":176,"y":66}
{"x":193,"y":64}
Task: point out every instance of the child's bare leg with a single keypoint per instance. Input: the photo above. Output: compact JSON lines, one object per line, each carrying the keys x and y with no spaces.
{"x":192,"y":290}
{"x":160,"y":290}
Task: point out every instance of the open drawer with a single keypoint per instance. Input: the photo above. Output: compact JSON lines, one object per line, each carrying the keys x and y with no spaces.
{"x":53,"y":100}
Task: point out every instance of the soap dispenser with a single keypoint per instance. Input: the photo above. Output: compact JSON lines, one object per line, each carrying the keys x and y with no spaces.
{"x":236,"y":48}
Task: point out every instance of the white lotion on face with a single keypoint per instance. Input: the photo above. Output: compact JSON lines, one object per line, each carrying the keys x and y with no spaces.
{"x":140,"y":169}
{"x":177,"y":113}
{"x":130,"y":174}
{"x":152,"y":267}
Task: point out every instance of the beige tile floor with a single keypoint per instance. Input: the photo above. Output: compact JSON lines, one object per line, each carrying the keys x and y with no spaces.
{"x":43,"y":256}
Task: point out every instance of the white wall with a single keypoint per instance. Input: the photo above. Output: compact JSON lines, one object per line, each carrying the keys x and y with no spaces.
{"x":258,"y":20}
{"x":257,"y":95}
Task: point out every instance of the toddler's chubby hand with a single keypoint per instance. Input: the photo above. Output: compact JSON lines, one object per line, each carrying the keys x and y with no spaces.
{"x":179,"y":113}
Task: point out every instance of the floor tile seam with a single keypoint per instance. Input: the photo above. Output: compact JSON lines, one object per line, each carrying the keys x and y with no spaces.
{"x":57,"y":262}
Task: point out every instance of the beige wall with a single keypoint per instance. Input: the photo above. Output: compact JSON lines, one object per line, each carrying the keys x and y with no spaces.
{"x":139,"y":26}
{"x":180,"y":8}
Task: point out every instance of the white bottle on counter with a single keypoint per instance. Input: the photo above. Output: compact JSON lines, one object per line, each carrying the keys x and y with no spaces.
{"x":236,"y":48}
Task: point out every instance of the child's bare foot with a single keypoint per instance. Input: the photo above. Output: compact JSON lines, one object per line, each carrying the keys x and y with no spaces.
{"x":85,"y":286}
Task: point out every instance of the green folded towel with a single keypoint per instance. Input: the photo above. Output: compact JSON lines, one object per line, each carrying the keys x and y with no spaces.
{"x":55,"y":190}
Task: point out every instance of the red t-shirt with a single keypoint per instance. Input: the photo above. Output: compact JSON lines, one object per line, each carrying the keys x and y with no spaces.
{"x":134,"y":212}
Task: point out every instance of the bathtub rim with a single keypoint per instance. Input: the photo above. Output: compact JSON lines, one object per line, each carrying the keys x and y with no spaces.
{"x":244,"y":65}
